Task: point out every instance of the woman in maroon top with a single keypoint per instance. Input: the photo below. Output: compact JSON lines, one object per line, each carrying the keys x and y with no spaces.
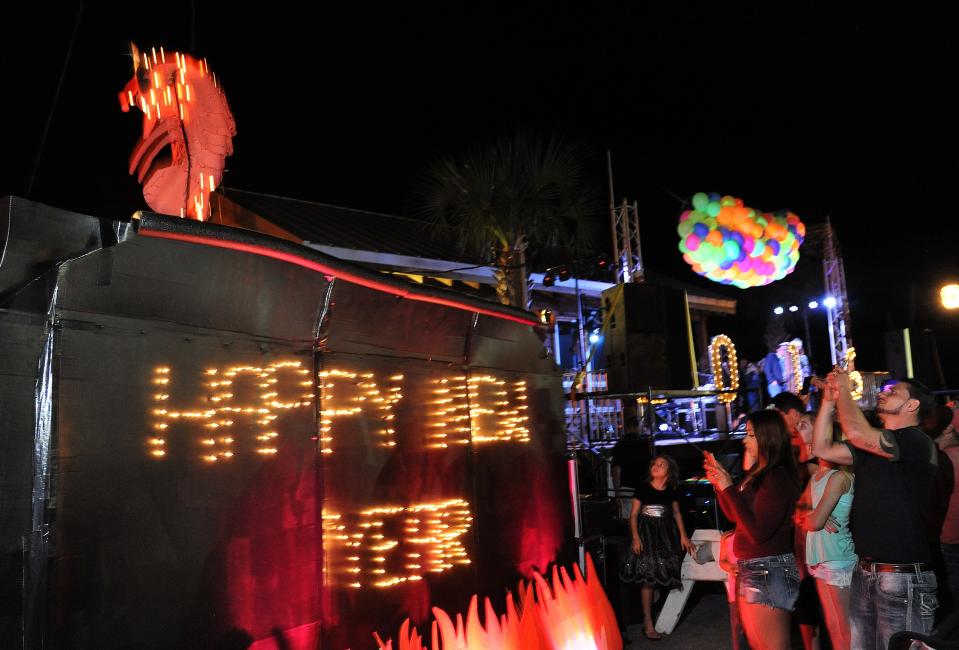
{"x":762,"y":504}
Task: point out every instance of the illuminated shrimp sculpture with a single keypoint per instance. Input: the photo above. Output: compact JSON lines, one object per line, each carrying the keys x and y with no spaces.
{"x":183,"y":109}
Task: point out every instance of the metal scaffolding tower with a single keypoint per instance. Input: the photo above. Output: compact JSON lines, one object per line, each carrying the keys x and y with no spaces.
{"x":834,"y":277}
{"x":627,"y":252}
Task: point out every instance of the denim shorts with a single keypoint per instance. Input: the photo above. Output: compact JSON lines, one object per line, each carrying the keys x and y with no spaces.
{"x":836,"y":573}
{"x":772,"y":581}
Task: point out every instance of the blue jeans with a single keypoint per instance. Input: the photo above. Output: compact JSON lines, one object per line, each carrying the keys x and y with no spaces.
{"x":950,"y":557}
{"x":882,"y":604}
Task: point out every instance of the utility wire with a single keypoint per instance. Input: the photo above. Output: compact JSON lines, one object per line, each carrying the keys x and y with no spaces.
{"x":53,"y":104}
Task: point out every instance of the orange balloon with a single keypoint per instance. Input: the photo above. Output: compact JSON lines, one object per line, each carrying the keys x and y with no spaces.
{"x":715,"y":238}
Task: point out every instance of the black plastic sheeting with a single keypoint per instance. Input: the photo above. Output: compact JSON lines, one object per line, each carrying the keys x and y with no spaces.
{"x":206,"y":447}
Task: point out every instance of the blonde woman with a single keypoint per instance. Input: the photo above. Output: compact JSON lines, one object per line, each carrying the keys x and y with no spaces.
{"x":830,"y":553}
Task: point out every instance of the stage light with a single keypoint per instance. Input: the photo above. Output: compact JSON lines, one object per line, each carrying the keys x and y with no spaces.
{"x":564,"y":274}
{"x":949,"y":295}
{"x":549,"y":280}
{"x":829,"y":302}
{"x":778,"y":311}
{"x":813,"y":304}
{"x":793,"y":308}
{"x":594,"y":337}
{"x":664,"y":427}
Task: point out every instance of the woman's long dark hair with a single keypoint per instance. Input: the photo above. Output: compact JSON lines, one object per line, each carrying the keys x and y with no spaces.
{"x":774,"y":445}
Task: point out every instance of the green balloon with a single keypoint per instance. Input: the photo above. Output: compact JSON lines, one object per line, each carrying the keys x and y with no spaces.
{"x":700,"y":200}
{"x":731,"y":249}
{"x":685,"y":228}
{"x":727,"y":201}
{"x":713,"y":208}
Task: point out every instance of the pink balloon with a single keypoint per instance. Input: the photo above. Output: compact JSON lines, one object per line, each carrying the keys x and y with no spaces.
{"x":684,"y":216}
{"x":693,"y":242}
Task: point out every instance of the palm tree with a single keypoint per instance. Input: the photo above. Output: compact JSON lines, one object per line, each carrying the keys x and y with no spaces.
{"x":513,"y":193}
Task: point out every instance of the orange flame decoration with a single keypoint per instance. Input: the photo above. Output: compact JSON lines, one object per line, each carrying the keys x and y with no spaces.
{"x":573,"y":615}
{"x":183,"y":108}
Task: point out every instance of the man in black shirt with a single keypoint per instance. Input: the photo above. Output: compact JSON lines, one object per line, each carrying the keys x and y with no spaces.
{"x":629,"y":464}
{"x":894,"y":587}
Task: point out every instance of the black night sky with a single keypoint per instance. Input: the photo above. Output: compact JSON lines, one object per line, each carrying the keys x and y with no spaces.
{"x":826,"y":113}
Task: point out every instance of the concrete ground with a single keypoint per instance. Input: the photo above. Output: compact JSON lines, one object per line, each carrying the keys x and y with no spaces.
{"x":703,"y":625}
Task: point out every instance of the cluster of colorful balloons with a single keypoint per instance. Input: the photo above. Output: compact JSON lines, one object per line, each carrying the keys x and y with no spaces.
{"x":728,"y":242}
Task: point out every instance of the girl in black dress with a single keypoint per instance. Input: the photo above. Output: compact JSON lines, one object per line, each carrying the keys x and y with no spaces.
{"x":659,"y":537}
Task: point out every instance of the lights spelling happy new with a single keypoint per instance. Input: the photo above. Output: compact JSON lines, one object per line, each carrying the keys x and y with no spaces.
{"x":728,"y":242}
{"x":479,"y":409}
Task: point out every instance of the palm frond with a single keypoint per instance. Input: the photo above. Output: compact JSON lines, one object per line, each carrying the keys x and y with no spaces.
{"x":513,"y":188}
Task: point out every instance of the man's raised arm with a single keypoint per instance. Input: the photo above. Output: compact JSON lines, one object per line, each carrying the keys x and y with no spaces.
{"x":860,"y":433}
{"x":823,"y":445}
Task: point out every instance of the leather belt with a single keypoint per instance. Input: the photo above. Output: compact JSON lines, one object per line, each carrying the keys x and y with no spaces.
{"x":886,"y":567}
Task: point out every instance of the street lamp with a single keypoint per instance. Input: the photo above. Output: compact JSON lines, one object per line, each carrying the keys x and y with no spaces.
{"x":949,"y":295}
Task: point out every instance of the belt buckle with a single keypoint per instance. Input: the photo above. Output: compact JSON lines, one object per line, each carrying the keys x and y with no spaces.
{"x":890,"y":567}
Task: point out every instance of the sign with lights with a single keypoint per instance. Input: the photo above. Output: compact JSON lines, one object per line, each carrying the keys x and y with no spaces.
{"x":387,"y":545}
{"x":464,"y":410}
{"x":717,"y":345}
{"x":219,"y":449}
{"x":855,"y":377}
{"x":794,"y":370}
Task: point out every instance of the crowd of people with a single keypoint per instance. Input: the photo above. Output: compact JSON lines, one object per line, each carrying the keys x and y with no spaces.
{"x":845,"y":522}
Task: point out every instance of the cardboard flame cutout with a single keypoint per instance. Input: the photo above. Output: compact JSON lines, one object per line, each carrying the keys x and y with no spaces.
{"x":183,"y":109}
{"x":574,"y":615}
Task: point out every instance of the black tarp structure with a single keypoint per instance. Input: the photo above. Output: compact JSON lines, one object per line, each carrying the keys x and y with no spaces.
{"x":210,"y":438}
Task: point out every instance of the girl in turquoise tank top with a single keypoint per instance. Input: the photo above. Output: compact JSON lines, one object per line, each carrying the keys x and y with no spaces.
{"x":830,"y":554}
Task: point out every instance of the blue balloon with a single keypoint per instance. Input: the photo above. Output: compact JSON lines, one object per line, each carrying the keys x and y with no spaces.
{"x":737,"y":237}
{"x":701,"y":230}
